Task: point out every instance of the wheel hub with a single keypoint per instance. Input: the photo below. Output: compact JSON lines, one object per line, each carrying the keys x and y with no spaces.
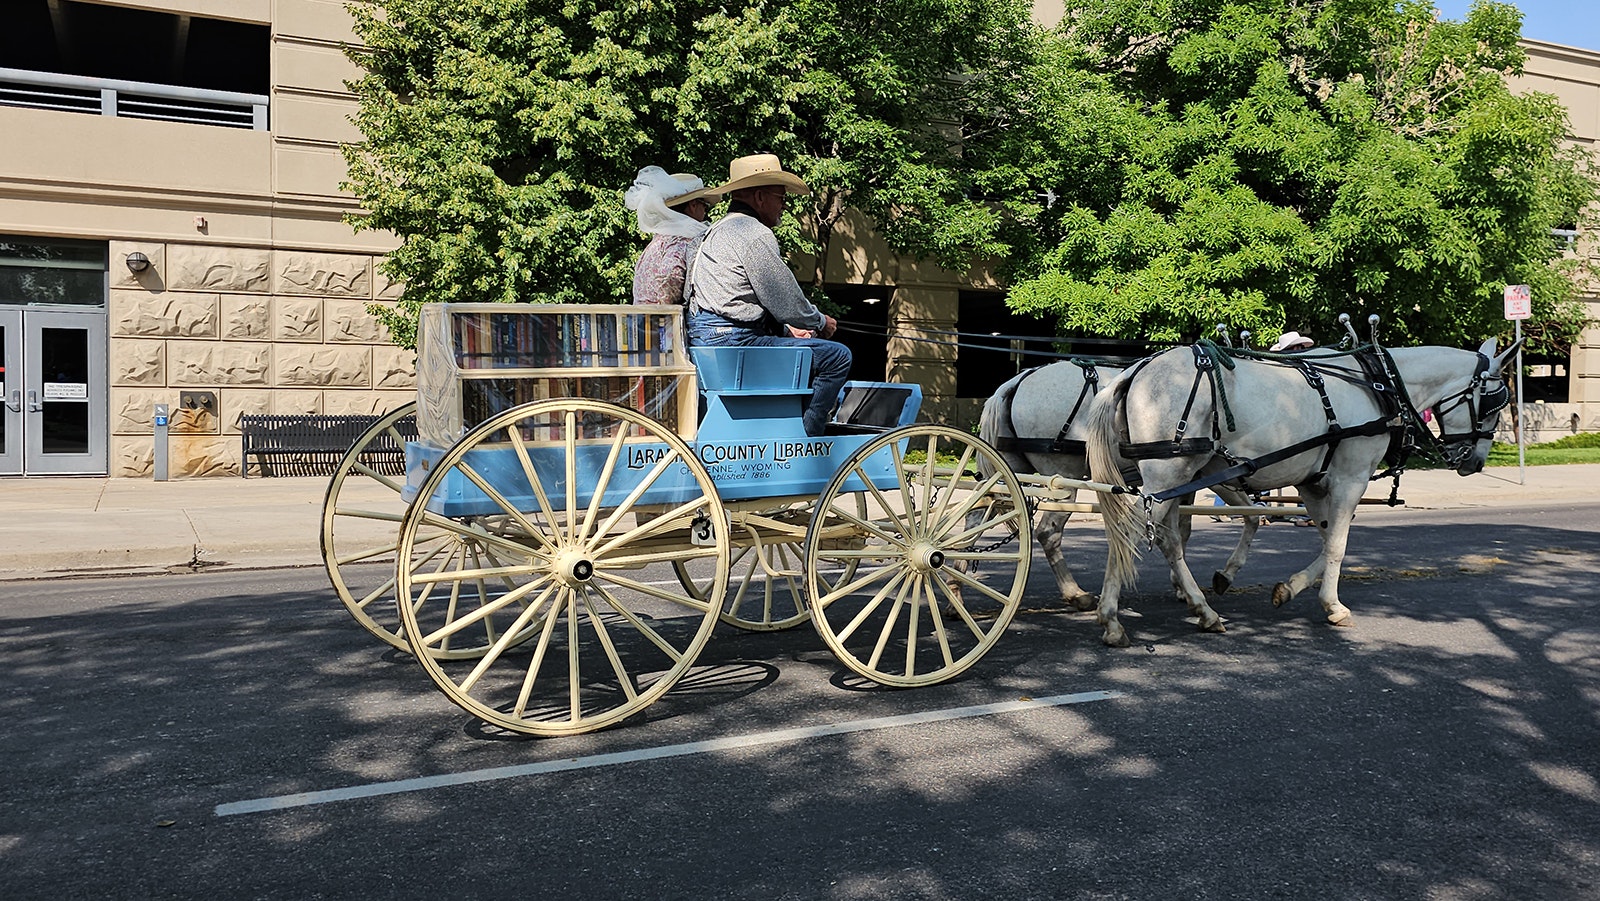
{"x":926,"y":558}
{"x":574,"y":569}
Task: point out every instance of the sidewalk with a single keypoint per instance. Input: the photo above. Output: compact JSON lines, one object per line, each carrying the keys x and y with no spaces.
{"x":96,"y":526}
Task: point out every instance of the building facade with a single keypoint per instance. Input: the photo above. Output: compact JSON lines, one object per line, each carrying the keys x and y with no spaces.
{"x":1565,"y":393}
{"x":172,"y":231}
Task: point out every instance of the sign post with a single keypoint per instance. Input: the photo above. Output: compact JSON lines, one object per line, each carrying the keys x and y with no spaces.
{"x":1519,"y":306}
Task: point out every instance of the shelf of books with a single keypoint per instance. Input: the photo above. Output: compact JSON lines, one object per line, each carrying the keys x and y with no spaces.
{"x":477,"y":360}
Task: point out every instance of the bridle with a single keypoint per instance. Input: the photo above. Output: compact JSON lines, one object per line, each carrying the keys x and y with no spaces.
{"x":1484,"y":398}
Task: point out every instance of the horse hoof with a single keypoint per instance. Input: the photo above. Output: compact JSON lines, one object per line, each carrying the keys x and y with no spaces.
{"x":1084,"y":602}
{"x":1281,"y":594}
{"x":1216,"y":626}
{"x":1341,"y":618}
{"x":1117,"y":640}
{"x":1220,"y":583}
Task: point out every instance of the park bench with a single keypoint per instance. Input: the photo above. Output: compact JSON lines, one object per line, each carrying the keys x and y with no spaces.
{"x":306,"y":444}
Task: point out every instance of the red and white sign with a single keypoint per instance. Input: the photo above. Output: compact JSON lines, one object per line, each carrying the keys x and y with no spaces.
{"x":1519,"y":302}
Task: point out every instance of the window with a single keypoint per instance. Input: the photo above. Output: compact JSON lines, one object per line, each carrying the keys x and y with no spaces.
{"x":988,"y":357}
{"x":863,"y":327}
{"x":73,"y":38}
{"x":114,"y":61}
{"x":41,"y":271}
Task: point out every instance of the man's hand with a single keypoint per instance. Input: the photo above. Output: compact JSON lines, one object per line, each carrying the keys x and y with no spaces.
{"x":829,"y":326}
{"x":800,"y":332}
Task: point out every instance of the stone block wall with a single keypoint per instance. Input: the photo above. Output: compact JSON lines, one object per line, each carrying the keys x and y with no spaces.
{"x":268,"y":331}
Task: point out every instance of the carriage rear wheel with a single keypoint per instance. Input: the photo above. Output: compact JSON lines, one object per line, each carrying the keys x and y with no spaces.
{"x":596,"y":626}
{"x":766,"y":573}
{"x":918,"y":608}
{"x":361,"y":514}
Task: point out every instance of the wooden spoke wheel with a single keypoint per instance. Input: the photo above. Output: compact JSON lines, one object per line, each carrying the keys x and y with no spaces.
{"x":766,"y":574}
{"x":591,"y":506}
{"x":940,"y":555}
{"x":361,"y":526}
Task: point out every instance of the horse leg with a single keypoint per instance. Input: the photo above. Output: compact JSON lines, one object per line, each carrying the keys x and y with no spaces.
{"x":1334,"y":524}
{"x":1183,"y":524}
{"x":1170,"y":539}
{"x":1048,"y":532}
{"x":1317,"y":506}
{"x":1222,"y":579}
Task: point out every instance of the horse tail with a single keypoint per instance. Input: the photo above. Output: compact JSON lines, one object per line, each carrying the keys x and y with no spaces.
{"x":995,"y":423}
{"x":1105,"y":465}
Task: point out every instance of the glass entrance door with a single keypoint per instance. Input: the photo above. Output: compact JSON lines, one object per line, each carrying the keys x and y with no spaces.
{"x":55,"y":393}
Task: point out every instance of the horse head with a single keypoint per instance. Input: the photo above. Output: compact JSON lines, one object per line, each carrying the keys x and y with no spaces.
{"x":1467,"y":418}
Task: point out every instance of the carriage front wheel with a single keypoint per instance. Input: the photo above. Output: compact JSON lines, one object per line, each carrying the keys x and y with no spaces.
{"x":583,"y":508}
{"x":918,"y":608}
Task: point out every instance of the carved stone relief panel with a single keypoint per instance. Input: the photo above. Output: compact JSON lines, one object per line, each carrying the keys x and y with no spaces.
{"x":167,"y":315}
{"x":325,"y":274}
{"x":132,"y":458}
{"x":386,"y":288}
{"x":350,"y":323}
{"x":297,"y":319}
{"x":237,"y":402}
{"x":133,"y":409}
{"x":394,"y":367}
{"x":352,"y":403}
{"x":242,"y":270}
{"x":138,"y":362}
{"x":194,"y":456}
{"x":193,"y":422}
{"x":151,"y":279}
{"x":290,"y":402}
{"x":246,"y":316}
{"x":214,"y":363}
{"x":325,"y":365}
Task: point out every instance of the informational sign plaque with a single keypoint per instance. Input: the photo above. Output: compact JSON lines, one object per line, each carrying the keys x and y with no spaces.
{"x":1519,"y":302}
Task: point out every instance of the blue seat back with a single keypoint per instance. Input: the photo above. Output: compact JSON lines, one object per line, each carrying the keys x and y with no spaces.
{"x":747,"y":368}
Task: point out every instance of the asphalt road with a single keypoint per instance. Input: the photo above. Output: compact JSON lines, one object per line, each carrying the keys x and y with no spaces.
{"x":1445,"y":747}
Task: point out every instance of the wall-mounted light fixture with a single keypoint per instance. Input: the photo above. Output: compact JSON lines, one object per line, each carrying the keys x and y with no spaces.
{"x":137,"y":262}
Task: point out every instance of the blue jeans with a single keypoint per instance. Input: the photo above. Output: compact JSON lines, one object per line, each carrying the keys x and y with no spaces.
{"x":830,"y":360}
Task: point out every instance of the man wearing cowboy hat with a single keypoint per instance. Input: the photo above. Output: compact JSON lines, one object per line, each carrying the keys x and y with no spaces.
{"x":673,"y":208}
{"x":738,"y":282}
{"x":1290,"y":343}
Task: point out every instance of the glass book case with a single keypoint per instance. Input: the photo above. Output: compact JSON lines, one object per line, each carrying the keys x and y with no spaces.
{"x":477,"y":360}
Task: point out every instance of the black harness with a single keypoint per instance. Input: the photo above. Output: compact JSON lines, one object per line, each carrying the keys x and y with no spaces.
{"x":1397,"y":417}
{"x":1060,"y":444}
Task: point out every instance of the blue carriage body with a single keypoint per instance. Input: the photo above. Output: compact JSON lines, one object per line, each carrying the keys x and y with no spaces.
{"x":751,"y":439}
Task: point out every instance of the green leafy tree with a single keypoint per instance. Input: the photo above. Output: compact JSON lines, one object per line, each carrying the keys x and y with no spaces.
{"x":499,"y":134}
{"x":1272,"y":163}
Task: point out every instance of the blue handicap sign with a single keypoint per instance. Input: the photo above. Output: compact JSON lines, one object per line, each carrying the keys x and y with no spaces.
{"x":161,"y":420}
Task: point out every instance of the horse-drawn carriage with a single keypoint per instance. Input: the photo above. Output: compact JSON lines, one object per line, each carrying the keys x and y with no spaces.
{"x":585,"y":498}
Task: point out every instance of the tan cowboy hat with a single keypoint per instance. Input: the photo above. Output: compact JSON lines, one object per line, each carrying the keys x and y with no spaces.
{"x":1291,"y":341}
{"x":685,"y":180}
{"x":757,"y":170}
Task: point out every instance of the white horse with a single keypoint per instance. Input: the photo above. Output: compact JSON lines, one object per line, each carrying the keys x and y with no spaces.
{"x":1038,"y":421}
{"x":1265,"y":423}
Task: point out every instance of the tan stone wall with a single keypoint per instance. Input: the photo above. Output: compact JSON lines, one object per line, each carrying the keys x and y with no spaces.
{"x":269,"y":331}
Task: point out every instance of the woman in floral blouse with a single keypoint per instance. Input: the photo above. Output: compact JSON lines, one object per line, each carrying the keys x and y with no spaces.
{"x":674,"y":209}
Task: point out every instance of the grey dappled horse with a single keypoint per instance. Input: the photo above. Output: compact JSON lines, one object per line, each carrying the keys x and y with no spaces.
{"x":1038,"y":421}
{"x":1268,"y":408}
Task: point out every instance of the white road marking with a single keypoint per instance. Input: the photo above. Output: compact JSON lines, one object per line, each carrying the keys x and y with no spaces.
{"x":306,"y":799}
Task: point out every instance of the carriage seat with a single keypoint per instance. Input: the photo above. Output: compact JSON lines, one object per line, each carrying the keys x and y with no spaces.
{"x":752,"y":368}
{"x":753,"y":392}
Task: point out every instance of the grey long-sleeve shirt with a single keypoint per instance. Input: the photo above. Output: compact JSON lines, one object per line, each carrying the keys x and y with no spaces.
{"x":738,"y":272}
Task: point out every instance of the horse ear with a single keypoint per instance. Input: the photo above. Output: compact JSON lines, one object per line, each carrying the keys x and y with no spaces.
{"x":1487,"y":348}
{"x":1496,"y":364}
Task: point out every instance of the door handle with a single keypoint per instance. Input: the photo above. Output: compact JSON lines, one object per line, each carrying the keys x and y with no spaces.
{"x":15,"y":403}
{"x":33,"y":402}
